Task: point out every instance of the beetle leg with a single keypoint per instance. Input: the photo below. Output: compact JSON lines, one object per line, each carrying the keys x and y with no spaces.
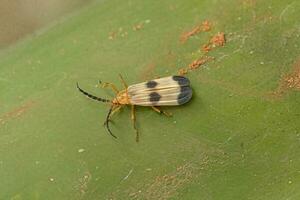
{"x":161,"y":111}
{"x":123,"y":81}
{"x":105,"y":85}
{"x":133,"y":118}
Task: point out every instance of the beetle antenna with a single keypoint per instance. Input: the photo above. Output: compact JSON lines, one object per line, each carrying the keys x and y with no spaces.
{"x":107,"y":122}
{"x":92,"y":96}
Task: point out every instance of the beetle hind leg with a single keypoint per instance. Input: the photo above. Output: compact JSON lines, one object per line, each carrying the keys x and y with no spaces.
{"x":161,"y":111}
{"x":133,"y":118}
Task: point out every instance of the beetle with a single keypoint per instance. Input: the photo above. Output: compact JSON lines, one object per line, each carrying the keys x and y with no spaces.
{"x":167,"y":91}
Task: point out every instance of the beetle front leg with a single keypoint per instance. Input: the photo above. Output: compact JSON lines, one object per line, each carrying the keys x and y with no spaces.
{"x":105,"y":85}
{"x":123,"y":81}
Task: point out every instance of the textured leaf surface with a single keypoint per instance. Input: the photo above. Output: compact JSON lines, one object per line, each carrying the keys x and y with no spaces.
{"x":237,"y":139}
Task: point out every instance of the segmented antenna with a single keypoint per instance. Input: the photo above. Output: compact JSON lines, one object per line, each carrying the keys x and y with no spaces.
{"x":107,"y":122}
{"x":92,"y":96}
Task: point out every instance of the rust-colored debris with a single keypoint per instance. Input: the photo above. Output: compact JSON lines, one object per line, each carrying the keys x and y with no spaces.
{"x":206,"y":48}
{"x":293,"y":82}
{"x":216,"y":41}
{"x":185,"y":36}
{"x":182,"y":71}
{"x":204,"y":27}
{"x":195,"y":65}
{"x":121,"y":32}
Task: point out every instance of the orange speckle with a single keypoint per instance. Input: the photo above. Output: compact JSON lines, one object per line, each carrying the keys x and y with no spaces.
{"x":293,"y":79}
{"x":185,"y":36}
{"x":206,"y":48}
{"x":204,"y":27}
{"x":288,"y":82}
{"x":112,"y":35}
{"x":218,"y":39}
{"x":194,"y":65}
{"x":197,"y":63}
{"x":138,"y":27}
{"x":182,"y":71}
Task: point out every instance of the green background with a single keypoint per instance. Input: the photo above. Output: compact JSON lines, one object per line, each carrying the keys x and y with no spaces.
{"x":239,"y":138}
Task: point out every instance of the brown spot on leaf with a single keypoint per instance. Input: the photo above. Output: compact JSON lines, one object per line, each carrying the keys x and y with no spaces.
{"x":292,"y":81}
{"x":166,"y":186}
{"x":17,"y":112}
{"x":288,"y":82}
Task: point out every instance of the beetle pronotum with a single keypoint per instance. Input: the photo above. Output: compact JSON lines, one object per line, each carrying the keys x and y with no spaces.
{"x":167,"y":91}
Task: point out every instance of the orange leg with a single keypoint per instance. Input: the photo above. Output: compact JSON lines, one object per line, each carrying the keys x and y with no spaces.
{"x":161,"y":111}
{"x":115,"y":110}
{"x":133,"y":118}
{"x":123,"y":81}
{"x":105,"y":85}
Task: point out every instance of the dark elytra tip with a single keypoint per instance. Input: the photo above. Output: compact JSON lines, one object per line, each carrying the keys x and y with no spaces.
{"x":151,"y":84}
{"x":185,"y":95}
{"x":181,"y":80}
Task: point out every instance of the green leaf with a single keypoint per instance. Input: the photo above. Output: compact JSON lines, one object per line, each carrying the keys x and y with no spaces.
{"x":238,"y":138}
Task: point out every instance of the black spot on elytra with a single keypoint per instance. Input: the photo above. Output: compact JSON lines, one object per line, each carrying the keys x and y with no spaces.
{"x":181,"y":80}
{"x":151,"y":84}
{"x":154,"y":97}
{"x":185,"y":95}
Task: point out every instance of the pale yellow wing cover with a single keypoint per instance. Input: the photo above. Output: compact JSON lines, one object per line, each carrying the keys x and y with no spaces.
{"x":167,"y":91}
